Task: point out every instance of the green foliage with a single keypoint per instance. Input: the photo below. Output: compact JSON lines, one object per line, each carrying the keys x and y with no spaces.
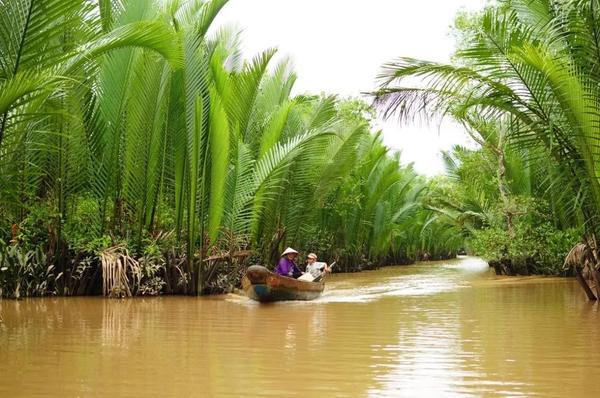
{"x":539,"y":249}
{"x":525,"y":86}
{"x":82,"y":227}
{"x":122,"y":120}
{"x":35,"y":228}
{"x":153,"y":265}
{"x":355,"y":111}
{"x":25,"y":273}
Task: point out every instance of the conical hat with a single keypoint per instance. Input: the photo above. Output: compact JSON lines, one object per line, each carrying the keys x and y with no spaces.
{"x":288,"y":251}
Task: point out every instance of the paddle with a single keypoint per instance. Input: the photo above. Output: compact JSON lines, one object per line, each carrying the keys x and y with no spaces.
{"x":332,"y":264}
{"x":307,"y":277}
{"x":323,"y":274}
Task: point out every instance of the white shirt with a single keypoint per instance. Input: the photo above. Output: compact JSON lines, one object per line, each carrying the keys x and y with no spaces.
{"x":315,"y":269}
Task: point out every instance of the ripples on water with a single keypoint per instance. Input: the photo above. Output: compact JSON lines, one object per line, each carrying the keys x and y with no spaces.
{"x":416,"y":280}
{"x":435,"y":329}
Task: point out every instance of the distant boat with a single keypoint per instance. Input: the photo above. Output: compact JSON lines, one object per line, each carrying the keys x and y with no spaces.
{"x":262,"y":285}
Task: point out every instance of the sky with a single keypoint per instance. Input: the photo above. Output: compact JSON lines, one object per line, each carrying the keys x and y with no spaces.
{"x":338,"y":47}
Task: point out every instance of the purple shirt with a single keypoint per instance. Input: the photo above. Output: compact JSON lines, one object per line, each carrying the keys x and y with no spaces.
{"x":287,"y":267}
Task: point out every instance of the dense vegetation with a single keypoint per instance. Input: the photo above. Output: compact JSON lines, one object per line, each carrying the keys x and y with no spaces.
{"x":525,"y":84}
{"x":140,"y":154}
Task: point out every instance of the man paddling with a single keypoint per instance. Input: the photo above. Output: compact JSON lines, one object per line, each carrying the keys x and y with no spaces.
{"x":314,"y":267}
{"x":287,"y":266}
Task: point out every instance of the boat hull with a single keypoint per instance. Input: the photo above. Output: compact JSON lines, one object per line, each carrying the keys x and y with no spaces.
{"x":262,"y":285}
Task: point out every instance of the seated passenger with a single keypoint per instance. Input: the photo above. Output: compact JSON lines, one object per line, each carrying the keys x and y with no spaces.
{"x":315,"y":268}
{"x":287,"y":266}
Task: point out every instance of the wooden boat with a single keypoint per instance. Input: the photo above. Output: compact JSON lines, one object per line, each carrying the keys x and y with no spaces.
{"x":262,"y":285}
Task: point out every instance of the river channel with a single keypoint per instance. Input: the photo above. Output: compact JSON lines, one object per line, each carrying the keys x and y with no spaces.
{"x":432,"y":329}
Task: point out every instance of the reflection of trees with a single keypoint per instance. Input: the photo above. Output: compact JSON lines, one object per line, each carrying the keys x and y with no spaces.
{"x":529,"y":336}
{"x":319,"y":347}
{"x":422,"y":358}
{"x":73,"y":346}
{"x":532,"y":336}
{"x":36,"y":346}
{"x":27,"y":322}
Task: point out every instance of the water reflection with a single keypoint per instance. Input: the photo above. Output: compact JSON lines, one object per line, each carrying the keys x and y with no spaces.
{"x":436,"y":329}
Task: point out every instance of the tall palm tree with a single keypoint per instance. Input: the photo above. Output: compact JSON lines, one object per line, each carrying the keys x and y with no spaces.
{"x":529,"y":68}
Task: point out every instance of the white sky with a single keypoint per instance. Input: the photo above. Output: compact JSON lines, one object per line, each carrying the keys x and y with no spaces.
{"x":338,"y":47}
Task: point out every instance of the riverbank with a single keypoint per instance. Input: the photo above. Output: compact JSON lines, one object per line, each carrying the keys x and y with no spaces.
{"x":120,"y":272}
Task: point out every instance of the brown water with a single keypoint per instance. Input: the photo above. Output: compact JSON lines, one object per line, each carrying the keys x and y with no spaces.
{"x":435,"y":329}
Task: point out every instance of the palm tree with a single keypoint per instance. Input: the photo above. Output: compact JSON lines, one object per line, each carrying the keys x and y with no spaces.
{"x":525,"y":83}
{"x":143,"y":116}
{"x":49,"y":50}
{"x":528,"y":66}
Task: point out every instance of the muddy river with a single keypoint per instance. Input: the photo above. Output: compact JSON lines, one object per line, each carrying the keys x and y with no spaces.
{"x":432,"y":329}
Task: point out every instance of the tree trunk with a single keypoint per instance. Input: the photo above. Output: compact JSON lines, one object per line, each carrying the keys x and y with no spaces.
{"x":584,"y":285}
{"x":502,"y":186}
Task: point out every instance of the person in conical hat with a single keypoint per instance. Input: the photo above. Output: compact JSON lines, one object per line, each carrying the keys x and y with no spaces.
{"x":289,"y":250}
{"x":287,"y":266}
